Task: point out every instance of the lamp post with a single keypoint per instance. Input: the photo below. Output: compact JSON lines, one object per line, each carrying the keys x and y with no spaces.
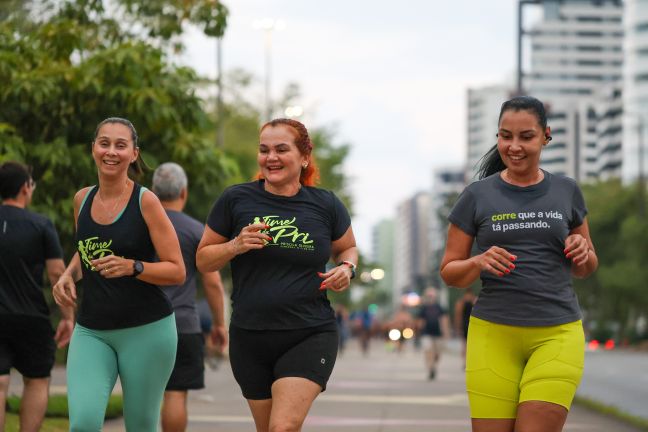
{"x":640,"y":175}
{"x":268,"y":25}
{"x":220,"y":134}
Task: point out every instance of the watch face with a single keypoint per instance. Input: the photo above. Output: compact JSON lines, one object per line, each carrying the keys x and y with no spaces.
{"x":139,"y":267}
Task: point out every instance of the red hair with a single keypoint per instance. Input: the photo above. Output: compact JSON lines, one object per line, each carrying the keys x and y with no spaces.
{"x":310,"y":175}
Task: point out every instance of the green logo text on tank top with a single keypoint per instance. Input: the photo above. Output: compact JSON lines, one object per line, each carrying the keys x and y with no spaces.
{"x":285,"y":233}
{"x":93,"y":248}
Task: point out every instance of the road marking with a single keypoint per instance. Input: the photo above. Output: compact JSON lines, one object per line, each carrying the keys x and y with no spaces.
{"x":459,"y":399}
{"x":361,"y":421}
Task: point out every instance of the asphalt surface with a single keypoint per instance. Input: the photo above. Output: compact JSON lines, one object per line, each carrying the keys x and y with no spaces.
{"x":389,"y":392}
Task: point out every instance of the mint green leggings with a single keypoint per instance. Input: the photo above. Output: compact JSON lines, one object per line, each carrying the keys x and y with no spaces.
{"x":142,"y":356}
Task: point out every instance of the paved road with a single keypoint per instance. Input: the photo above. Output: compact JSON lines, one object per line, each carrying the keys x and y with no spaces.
{"x":385,"y":392}
{"x":618,"y":378}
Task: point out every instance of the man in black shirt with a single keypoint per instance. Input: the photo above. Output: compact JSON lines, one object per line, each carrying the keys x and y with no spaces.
{"x":29,"y":244}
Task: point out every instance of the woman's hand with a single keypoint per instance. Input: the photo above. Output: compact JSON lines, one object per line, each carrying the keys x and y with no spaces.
{"x":337,"y":279}
{"x":250,"y":238}
{"x":577,"y":249}
{"x":64,"y":291}
{"x":496,"y":260}
{"x":111,"y":266}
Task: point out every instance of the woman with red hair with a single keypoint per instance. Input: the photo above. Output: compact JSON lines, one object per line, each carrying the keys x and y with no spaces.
{"x":279,"y":232}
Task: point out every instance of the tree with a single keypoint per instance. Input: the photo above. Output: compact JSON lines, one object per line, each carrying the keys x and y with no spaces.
{"x":74,"y":66}
{"x":615,"y":293}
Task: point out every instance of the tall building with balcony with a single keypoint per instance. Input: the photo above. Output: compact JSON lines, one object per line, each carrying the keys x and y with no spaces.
{"x":635,"y":84}
{"x":576,"y":58}
{"x":412,"y":270}
{"x":483,"y":111}
{"x":447,"y":184}
{"x":383,"y":253}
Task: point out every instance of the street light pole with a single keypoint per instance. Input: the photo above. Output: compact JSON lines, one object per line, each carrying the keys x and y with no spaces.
{"x":640,"y":177}
{"x":268,"y":72}
{"x":268,"y":25}
{"x":220,"y":133}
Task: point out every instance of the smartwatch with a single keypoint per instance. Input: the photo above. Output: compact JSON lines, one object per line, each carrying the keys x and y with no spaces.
{"x":350,"y":265}
{"x":138,"y":268}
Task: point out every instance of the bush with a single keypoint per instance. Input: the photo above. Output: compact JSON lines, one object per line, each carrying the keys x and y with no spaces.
{"x":57,"y":406}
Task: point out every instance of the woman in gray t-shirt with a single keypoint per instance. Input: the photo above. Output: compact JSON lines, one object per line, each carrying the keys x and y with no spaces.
{"x":525,"y":343}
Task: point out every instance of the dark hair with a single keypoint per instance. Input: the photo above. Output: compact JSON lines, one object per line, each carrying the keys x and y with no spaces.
{"x":13,"y":175}
{"x":310,"y":175}
{"x":137,"y":168}
{"x":491,"y":162}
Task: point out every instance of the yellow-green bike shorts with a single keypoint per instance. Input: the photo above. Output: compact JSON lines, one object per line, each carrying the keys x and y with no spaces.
{"x":507,"y":365}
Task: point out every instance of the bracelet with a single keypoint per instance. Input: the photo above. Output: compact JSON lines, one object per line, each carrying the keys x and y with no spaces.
{"x":350,"y":265}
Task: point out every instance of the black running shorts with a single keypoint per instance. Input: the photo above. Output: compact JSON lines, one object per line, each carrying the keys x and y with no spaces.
{"x":260,"y":357}
{"x":27,"y":345}
{"x":189,"y":369}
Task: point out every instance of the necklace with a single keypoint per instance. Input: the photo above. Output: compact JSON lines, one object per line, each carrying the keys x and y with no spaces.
{"x":112,"y":213}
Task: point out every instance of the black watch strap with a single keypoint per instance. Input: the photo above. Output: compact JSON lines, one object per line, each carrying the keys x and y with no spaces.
{"x":138,"y":268}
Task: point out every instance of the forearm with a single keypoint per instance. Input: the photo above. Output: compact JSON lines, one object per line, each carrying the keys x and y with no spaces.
{"x":350,"y":254}
{"x":584,"y":270}
{"x":73,"y":269}
{"x":67,"y":312}
{"x":213,"y":257}
{"x":215,"y":300}
{"x":460,"y":273}
{"x":163,"y":273}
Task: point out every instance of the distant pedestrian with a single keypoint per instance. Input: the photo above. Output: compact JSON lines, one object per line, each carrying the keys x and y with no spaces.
{"x":126,"y":249}
{"x":29,"y":244}
{"x":404,"y":322}
{"x":434,"y":326}
{"x":526,"y":344}
{"x":171,"y":186}
{"x":342,"y":320}
{"x":363,"y":322}
{"x":279,"y":232}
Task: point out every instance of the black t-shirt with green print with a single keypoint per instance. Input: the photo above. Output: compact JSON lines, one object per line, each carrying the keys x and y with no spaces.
{"x":277,"y":287}
{"x":122,"y":302}
{"x":532,"y":223}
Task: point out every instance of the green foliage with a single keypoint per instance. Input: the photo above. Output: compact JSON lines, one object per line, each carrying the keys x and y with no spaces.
{"x":57,"y":406}
{"x":49,"y":425}
{"x":330,"y":158}
{"x":615,"y":293}
{"x":165,"y":18}
{"x":75,"y":68}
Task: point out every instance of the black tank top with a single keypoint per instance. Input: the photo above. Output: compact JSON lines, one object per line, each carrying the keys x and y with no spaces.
{"x":122,"y":302}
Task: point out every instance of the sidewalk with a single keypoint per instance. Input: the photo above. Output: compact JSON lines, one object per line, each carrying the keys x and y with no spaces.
{"x":384,"y":392}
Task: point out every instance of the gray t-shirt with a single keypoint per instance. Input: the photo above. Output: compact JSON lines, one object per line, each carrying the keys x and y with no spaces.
{"x":532,"y":223}
{"x":183,"y":297}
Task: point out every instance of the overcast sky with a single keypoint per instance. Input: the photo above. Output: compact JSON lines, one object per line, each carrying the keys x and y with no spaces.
{"x":390,"y":77}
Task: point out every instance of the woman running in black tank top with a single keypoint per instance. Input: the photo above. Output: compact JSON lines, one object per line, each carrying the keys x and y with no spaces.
{"x":125,"y":325}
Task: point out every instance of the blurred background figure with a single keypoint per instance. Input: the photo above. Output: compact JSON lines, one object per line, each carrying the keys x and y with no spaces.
{"x":363,"y":323}
{"x":29,"y":244}
{"x":342,"y":320}
{"x":463,"y":307}
{"x":434,"y":324}
{"x":171,"y":186}
{"x":405,"y":324}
